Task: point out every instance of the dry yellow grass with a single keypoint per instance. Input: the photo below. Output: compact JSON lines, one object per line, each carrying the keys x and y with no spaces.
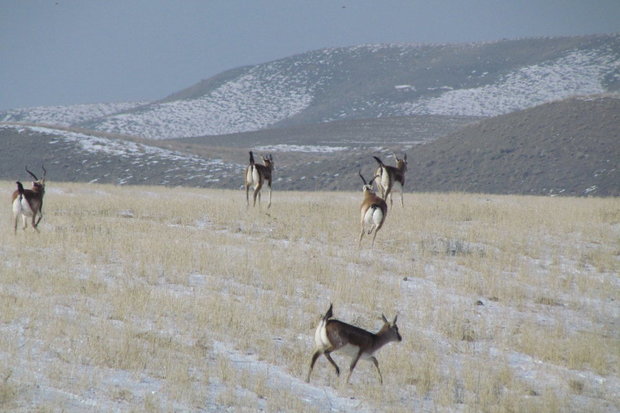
{"x":153,"y":298}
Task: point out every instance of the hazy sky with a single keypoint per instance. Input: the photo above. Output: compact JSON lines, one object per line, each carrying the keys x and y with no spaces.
{"x":62,"y":52}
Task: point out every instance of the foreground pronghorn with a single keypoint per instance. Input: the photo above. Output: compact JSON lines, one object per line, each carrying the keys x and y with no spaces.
{"x":29,"y":202}
{"x":373,"y":211}
{"x":332,"y":335}
{"x":389,"y":175}
{"x":256,"y":175}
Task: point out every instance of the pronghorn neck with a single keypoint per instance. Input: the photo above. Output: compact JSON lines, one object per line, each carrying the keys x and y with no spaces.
{"x":369,"y":193}
{"x":384,"y":336}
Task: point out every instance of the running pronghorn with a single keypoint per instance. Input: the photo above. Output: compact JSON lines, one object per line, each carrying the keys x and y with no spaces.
{"x":373,"y":211}
{"x":29,"y":202}
{"x":256,"y":175}
{"x":389,"y":175}
{"x":332,"y":335}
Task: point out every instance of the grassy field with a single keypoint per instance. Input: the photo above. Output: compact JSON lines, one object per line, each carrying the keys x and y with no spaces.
{"x":162,"y":299}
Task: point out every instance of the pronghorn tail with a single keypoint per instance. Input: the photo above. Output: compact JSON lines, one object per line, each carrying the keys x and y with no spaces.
{"x":20,"y":188}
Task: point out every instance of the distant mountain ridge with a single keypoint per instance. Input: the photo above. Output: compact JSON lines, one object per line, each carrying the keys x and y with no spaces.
{"x":369,"y":81}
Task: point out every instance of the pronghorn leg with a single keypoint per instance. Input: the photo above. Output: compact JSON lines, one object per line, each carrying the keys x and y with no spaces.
{"x":315,"y":356}
{"x":257,"y":194}
{"x":16,"y":218}
{"x":402,"y":203}
{"x":376,"y":363}
{"x":353,"y":363}
{"x":24,"y":222}
{"x":247,"y":195}
{"x":331,"y":360}
{"x":361,"y":235}
{"x":34,"y":225}
{"x":269,"y":204}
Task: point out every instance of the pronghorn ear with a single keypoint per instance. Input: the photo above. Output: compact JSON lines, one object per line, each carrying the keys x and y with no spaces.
{"x":405,"y":158}
{"x":384,"y":319}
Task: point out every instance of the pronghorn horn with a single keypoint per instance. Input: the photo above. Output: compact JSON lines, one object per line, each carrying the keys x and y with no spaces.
{"x":31,"y":174}
{"x":44,"y":170}
{"x":363,"y":180}
{"x":373,"y":179}
{"x":395,"y":317}
{"x":384,"y":319}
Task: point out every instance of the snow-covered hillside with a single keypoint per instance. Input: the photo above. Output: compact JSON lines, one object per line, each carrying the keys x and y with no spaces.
{"x":369,"y":81}
{"x":66,"y":115}
{"x":578,"y":73}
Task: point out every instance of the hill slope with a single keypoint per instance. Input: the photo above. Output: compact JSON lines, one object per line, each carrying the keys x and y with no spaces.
{"x":569,"y":147}
{"x":372,"y":81}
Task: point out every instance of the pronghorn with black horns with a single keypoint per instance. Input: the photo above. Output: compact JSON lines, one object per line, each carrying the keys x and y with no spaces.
{"x":390,"y":175}
{"x":373,"y":211}
{"x":256,"y":175}
{"x":333,"y":335}
{"x":29,"y":202}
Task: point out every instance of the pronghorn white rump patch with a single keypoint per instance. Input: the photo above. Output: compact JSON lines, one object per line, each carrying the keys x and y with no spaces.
{"x":320,"y":336}
{"x":21,"y":206}
{"x":373,"y":217}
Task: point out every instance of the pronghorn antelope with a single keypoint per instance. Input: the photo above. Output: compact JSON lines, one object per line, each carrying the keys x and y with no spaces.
{"x":29,"y":202}
{"x":256,"y":175}
{"x":389,"y":175}
{"x":373,"y":211}
{"x":332,"y":335}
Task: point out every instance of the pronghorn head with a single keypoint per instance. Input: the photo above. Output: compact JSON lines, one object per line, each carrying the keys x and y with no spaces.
{"x":268,"y":160}
{"x":401,"y":163}
{"x":390,"y":330}
{"x":367,"y":185}
{"x":38,"y":184}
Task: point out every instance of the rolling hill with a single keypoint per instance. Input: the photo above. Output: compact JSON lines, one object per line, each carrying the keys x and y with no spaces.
{"x":497,"y":117}
{"x":368,"y":81}
{"x":569,"y":147}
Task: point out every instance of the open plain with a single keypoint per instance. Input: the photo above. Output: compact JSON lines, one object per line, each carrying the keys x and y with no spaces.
{"x":140,"y":298}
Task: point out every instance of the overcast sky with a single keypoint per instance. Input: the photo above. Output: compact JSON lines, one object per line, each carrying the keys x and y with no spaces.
{"x":62,"y":52}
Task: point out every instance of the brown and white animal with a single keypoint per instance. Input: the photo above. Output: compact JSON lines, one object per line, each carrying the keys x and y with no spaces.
{"x":373,"y":211}
{"x":390,"y":175}
{"x":333,"y":335}
{"x":29,"y":202}
{"x":256,"y":175}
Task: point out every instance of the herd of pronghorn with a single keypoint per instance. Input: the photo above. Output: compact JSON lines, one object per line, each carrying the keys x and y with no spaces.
{"x":373,"y":209}
{"x":331,"y":335}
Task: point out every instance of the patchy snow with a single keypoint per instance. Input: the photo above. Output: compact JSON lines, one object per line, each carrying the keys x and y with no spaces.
{"x":142,"y":156}
{"x":300,"y":148}
{"x":578,"y":73}
{"x":247,"y":103}
{"x":67,"y":115}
